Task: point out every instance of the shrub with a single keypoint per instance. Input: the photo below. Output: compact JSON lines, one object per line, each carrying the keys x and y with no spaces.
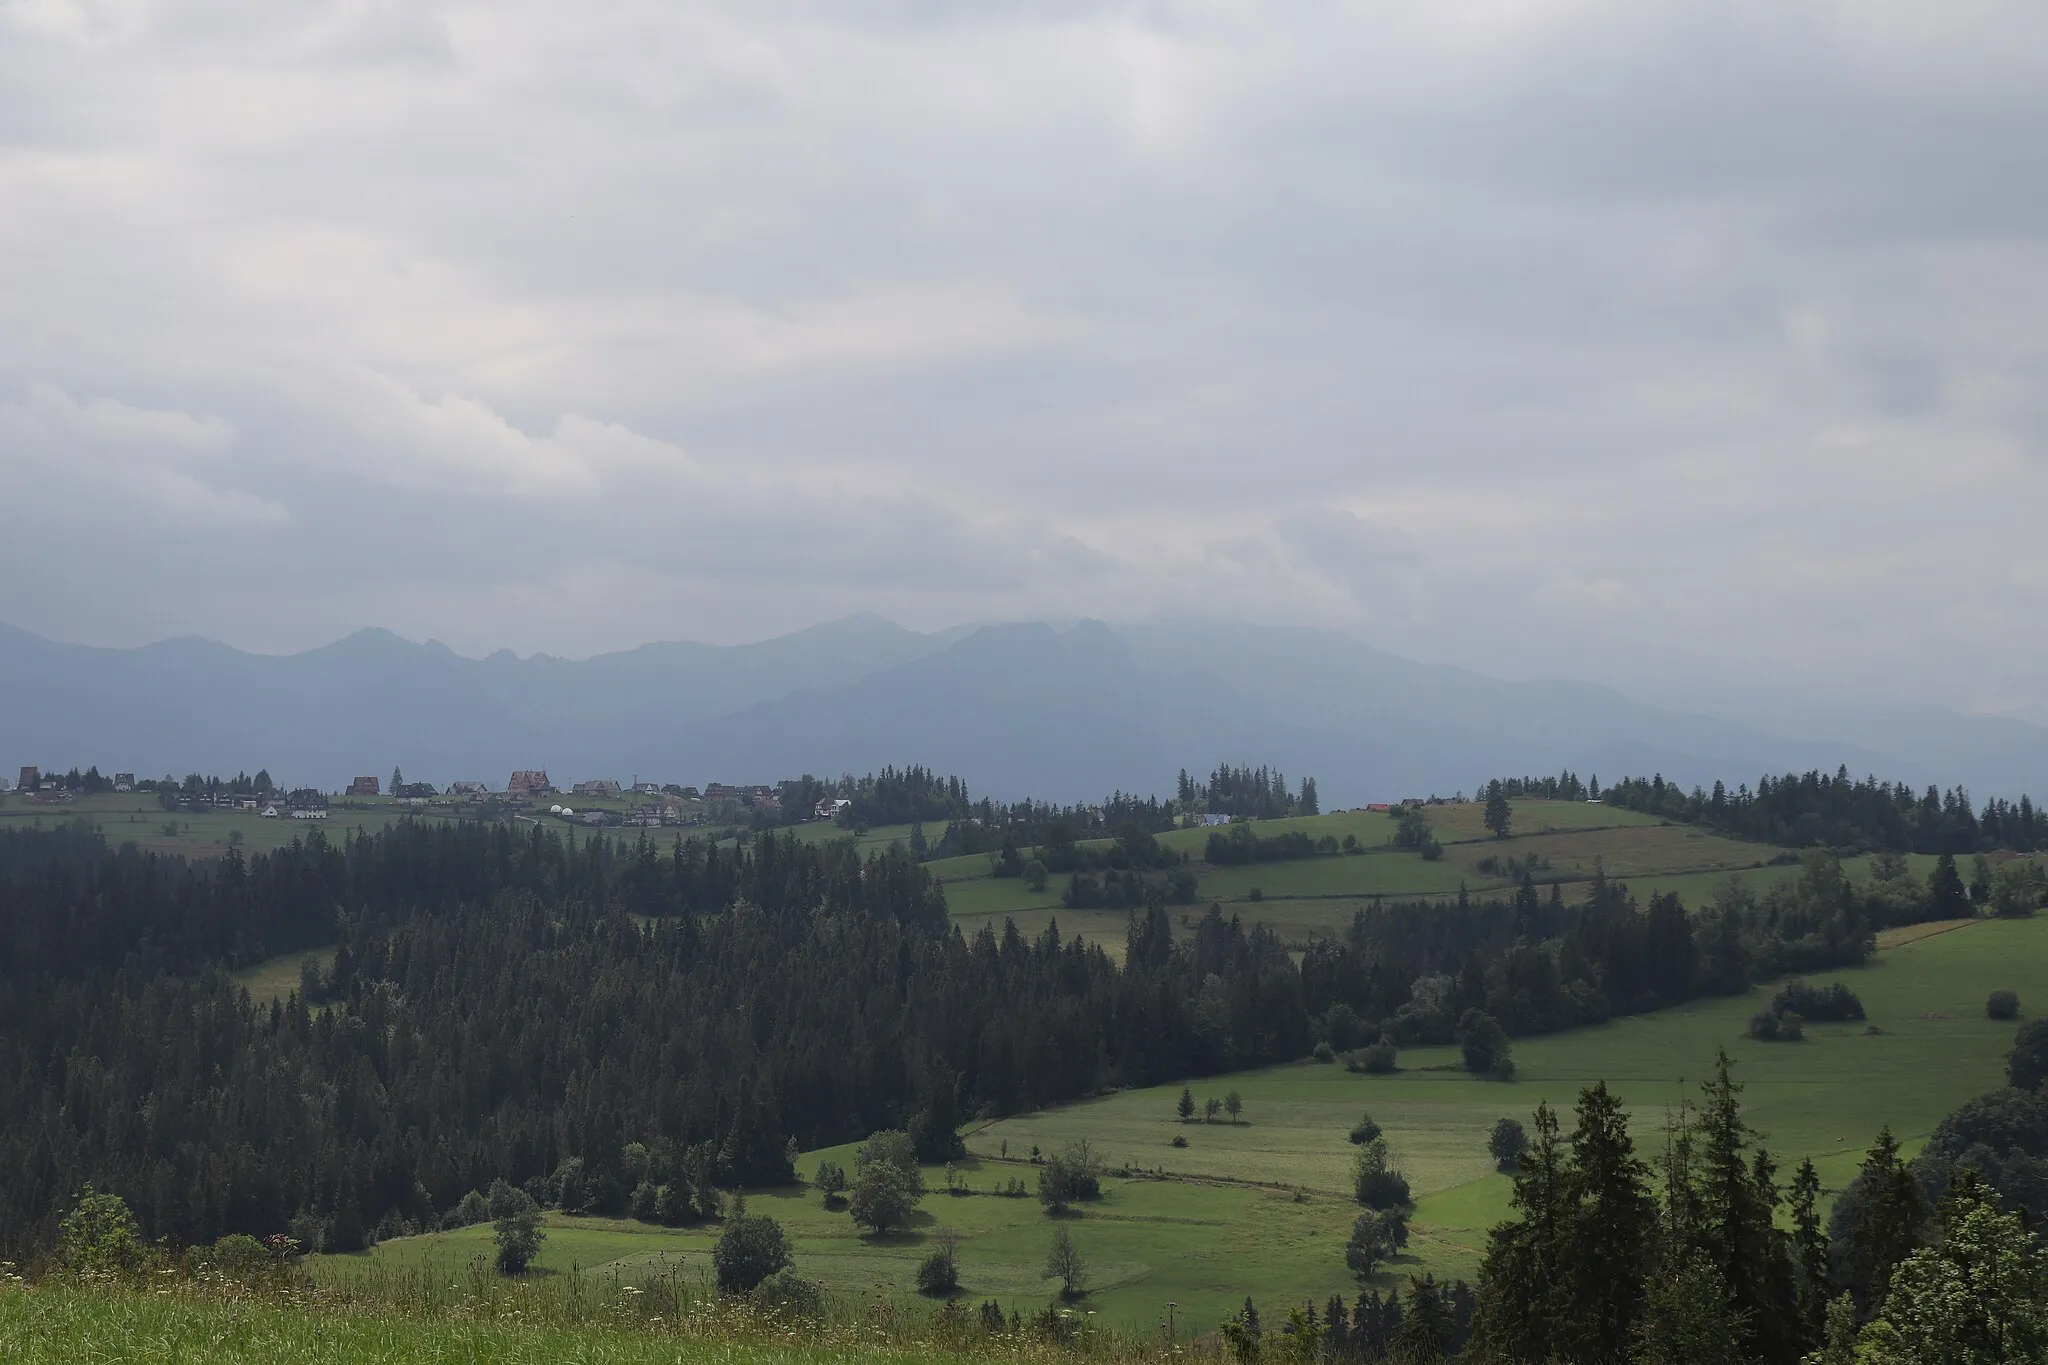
{"x":1485,"y":1043}
{"x":831,"y":1182}
{"x":237,"y":1257}
{"x":2027,"y":1065}
{"x":472,"y":1210}
{"x":751,"y":1248}
{"x":1073,"y":1175}
{"x":1324,"y":1054}
{"x":1833,"y":1003}
{"x":939,"y":1273}
{"x":1506,"y":1143}
{"x":1365,"y":1130}
{"x":1769,"y":1026}
{"x":1180,"y":1139}
{"x":1375,"y":1238}
{"x":1255,"y":894}
{"x":789,"y":1295}
{"x":1380,"y":1059}
{"x":518,"y":1237}
{"x":1377,"y":1183}
{"x":2003,"y":1005}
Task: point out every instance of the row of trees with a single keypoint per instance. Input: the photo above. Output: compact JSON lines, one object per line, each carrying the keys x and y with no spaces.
{"x":1802,"y":810}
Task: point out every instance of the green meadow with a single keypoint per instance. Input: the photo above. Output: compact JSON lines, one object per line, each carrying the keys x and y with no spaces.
{"x":1262,"y":1207}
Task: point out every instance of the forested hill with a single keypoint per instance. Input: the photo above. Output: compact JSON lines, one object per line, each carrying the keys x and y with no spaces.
{"x":519,"y":1005}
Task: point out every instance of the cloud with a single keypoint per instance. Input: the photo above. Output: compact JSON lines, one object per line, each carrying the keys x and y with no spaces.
{"x":1676,"y":343}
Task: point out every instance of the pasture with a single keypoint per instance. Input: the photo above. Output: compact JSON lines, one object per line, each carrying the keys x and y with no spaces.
{"x":1263,"y":1207}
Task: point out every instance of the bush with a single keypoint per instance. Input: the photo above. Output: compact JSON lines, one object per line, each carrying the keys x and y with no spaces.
{"x":1375,"y":1238}
{"x":751,"y":1248}
{"x":1365,"y":1130}
{"x":1069,"y":1177}
{"x":1506,"y":1143}
{"x":1485,"y":1044}
{"x":1834,"y":1003}
{"x":1324,"y":1054}
{"x":472,"y":1210}
{"x":1380,"y":1059}
{"x":1768,"y":1026}
{"x":1180,"y":1140}
{"x":1377,"y":1183}
{"x":238,"y":1257}
{"x":518,"y":1236}
{"x":789,"y":1295}
{"x":2003,"y":1005}
{"x":886,"y":1181}
{"x":939,"y":1273}
{"x":2027,"y":1065}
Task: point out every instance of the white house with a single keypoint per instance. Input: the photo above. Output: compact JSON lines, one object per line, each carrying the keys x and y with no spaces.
{"x":831,"y":808}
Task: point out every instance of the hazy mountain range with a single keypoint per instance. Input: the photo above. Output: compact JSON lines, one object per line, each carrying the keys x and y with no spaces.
{"x":1017,"y":710}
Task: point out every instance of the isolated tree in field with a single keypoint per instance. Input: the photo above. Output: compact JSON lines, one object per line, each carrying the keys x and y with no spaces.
{"x":1506,"y":1143}
{"x":1367,"y":1129}
{"x":397,"y":780}
{"x":1035,"y":875}
{"x":1063,"y":1263}
{"x":751,"y":1248}
{"x":1499,"y":814}
{"x":2016,"y":889}
{"x":100,"y":1236}
{"x":831,"y":1182}
{"x":939,"y":1273}
{"x":887,"y":1184}
{"x":1376,"y":1236}
{"x":2003,"y":1005}
{"x":1233,"y":1105}
{"x":2027,"y":1066}
{"x":1186,"y":1106}
{"x":1485,"y":1045}
{"x":518,"y":1237}
{"x":1070,"y":1176}
{"x":1946,"y":896}
{"x":1211,"y":1107}
{"x":1376,"y":1182}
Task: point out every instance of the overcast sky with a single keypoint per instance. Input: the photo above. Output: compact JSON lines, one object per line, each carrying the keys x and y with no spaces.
{"x":1678,"y":346}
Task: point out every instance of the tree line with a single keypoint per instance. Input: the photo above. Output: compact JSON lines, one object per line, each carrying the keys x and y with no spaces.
{"x":1815,"y":808}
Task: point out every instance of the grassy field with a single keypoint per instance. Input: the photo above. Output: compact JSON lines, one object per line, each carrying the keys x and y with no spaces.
{"x":137,"y":818}
{"x":1824,"y":1098}
{"x":1312,"y":898}
{"x":275,"y":978}
{"x":1263,"y":1207}
{"x":60,"y":1325}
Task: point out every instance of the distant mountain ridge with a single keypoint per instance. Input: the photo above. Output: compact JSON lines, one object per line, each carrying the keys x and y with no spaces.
{"x":1018,"y":710}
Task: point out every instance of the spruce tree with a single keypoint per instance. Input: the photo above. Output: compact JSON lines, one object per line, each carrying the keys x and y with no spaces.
{"x":1613,"y":1223}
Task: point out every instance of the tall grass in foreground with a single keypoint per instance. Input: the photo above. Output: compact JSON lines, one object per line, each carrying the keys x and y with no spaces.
{"x":412,"y":1316}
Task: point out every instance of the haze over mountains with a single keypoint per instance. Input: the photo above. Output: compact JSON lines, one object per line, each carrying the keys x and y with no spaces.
{"x":1023,"y":709}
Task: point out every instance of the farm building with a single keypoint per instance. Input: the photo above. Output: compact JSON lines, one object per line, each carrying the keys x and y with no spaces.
{"x":831,"y":808}
{"x":31,"y":778}
{"x":530,"y":782}
{"x":602,"y":786}
{"x":363,"y":786}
